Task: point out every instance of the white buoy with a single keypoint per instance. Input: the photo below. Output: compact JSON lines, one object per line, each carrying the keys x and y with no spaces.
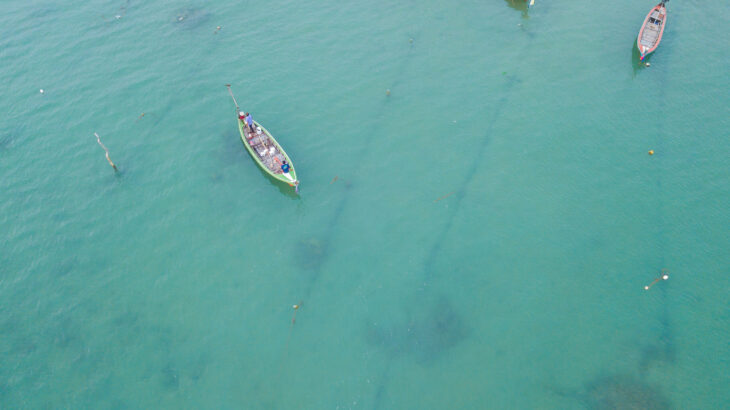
{"x":665,"y":277}
{"x":42,"y":91}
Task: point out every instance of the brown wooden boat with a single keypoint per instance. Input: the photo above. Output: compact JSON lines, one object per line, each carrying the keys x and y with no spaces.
{"x":651,"y":31}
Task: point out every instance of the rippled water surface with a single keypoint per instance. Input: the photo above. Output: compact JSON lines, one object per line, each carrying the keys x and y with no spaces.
{"x":479,"y":214}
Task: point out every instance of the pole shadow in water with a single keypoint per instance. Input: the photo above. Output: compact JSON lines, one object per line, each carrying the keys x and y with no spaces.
{"x":316,"y":256}
{"x":661,"y":350}
{"x":636,"y":62}
{"x":428,"y":334}
{"x":519,"y":5}
{"x":285,"y":189}
{"x":469,"y":176}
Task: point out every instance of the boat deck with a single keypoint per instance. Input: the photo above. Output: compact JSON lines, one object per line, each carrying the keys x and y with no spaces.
{"x":266,"y":150}
{"x":652,"y":29}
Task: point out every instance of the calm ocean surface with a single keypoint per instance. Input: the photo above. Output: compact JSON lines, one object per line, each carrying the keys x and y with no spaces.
{"x":479,"y":238}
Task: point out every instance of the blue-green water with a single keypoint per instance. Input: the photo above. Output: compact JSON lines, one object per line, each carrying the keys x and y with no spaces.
{"x":480,"y":238}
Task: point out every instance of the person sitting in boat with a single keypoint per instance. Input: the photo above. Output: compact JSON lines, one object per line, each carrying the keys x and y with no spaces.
{"x":249,"y":121}
{"x":285,"y":167}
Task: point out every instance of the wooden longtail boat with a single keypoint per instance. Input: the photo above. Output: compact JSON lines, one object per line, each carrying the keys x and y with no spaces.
{"x":651,"y":31}
{"x":266,"y":151}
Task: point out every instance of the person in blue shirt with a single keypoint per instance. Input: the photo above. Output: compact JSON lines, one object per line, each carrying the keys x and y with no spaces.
{"x":285,"y":167}
{"x":249,"y":121}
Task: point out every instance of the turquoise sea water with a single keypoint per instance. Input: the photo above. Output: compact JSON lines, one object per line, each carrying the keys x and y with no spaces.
{"x":480,"y":238}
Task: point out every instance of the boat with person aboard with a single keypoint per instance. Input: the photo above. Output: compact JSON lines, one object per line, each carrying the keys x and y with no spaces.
{"x":265,"y":150}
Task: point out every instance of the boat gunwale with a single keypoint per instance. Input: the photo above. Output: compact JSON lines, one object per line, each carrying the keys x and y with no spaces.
{"x":658,"y":7}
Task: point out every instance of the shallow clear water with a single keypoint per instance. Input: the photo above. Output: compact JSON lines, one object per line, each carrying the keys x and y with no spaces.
{"x":479,"y":238}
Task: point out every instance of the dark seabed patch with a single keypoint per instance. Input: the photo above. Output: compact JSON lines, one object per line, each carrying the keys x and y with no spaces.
{"x":9,"y":136}
{"x":65,"y":267}
{"x":64,"y":333}
{"x":23,"y":346}
{"x":127,"y":321}
{"x":187,"y":370}
{"x":6,"y":141}
{"x":618,"y":392}
{"x":425,"y":335}
{"x":311,"y":253}
{"x":191,"y":18}
{"x":170,"y":377}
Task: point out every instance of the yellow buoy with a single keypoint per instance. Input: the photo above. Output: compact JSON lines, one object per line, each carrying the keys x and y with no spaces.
{"x":651,"y":152}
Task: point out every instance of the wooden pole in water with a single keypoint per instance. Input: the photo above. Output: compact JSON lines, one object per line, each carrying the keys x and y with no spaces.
{"x":285,"y":354}
{"x":98,"y":139}
{"x":228,"y":86}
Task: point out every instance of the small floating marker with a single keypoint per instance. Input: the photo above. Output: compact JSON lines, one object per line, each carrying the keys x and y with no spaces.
{"x":42,"y":91}
{"x":651,"y":152}
{"x":117,"y":17}
{"x":294,"y":316}
{"x":387,"y":92}
{"x":648,"y":64}
{"x":665,"y":276}
{"x":410,"y":40}
{"x":217,"y":29}
{"x":180,"y":18}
